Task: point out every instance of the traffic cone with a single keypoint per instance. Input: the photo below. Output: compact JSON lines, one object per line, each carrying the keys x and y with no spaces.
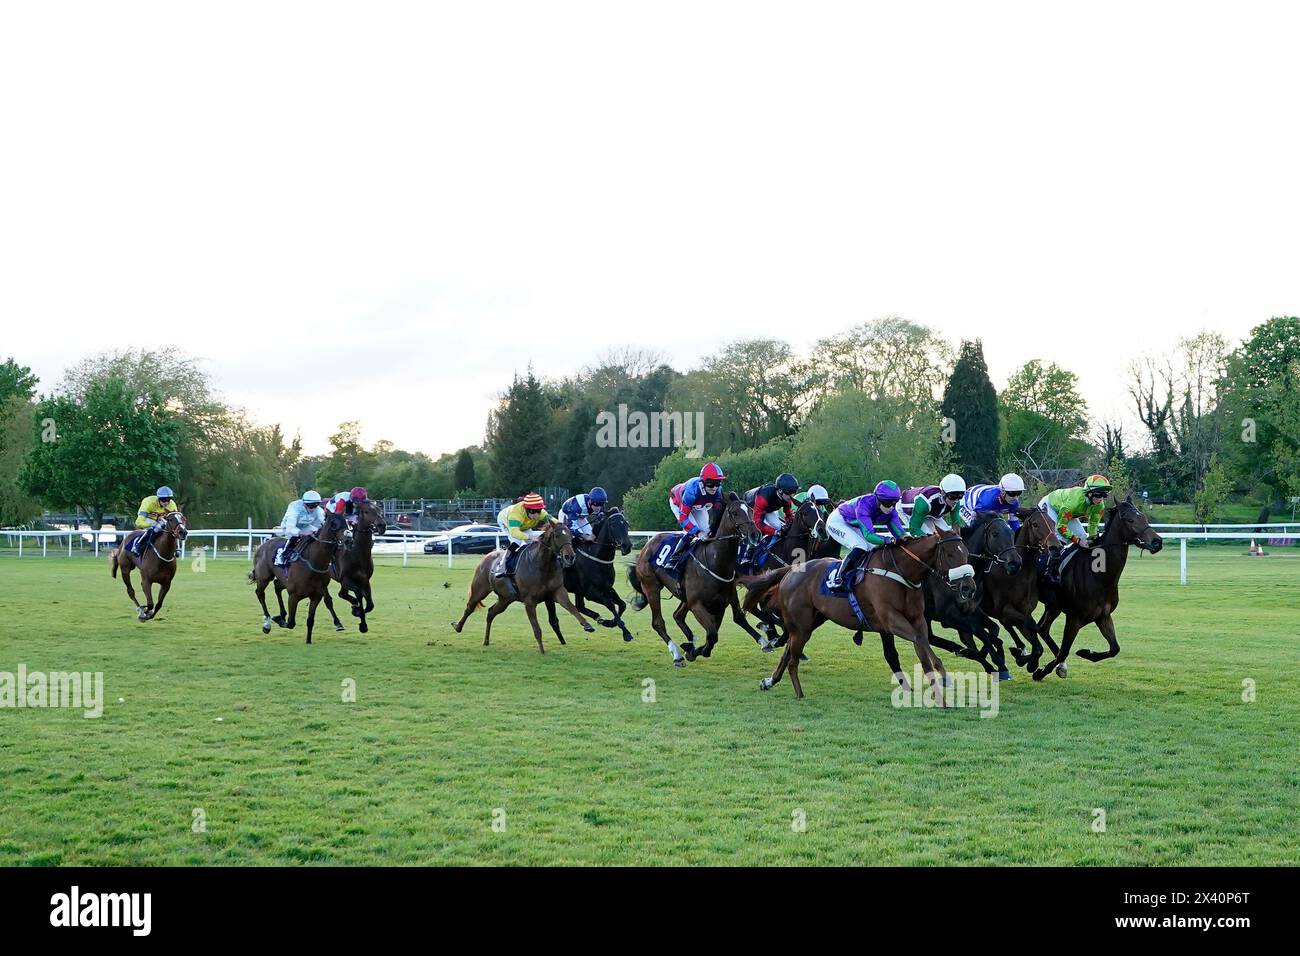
{"x":1260,"y":551}
{"x":1253,"y":549}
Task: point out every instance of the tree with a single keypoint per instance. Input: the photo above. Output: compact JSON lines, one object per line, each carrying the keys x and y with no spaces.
{"x":1259,"y":397}
{"x":886,"y":358}
{"x":464,"y":474}
{"x":17,"y":388}
{"x":348,"y":464}
{"x":517,"y":436}
{"x":970,"y":404}
{"x":16,"y":381}
{"x":1044,"y":418}
{"x":1210,"y":494}
{"x":104,"y":448}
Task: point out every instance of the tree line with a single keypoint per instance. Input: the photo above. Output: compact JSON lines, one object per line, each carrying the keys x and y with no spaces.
{"x":885,"y":398}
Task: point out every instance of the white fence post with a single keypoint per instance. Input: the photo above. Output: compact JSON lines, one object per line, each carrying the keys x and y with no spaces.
{"x":449,"y":552}
{"x":214,"y":547}
{"x":45,"y":541}
{"x":69,"y":544}
{"x":250,"y":537}
{"x":1182,"y":561}
{"x":405,"y":557}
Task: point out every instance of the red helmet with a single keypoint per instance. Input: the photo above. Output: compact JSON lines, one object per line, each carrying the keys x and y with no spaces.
{"x":712,"y":472}
{"x":358,"y":494}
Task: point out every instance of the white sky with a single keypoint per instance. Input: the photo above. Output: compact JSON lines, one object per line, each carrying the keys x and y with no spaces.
{"x":380,"y":211}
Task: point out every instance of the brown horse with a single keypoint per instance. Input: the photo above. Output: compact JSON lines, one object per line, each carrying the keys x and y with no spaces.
{"x":707,"y":587}
{"x":539,"y":577}
{"x":1089,"y":588}
{"x":804,"y":538}
{"x":355,"y":567}
{"x":157,"y":566}
{"x":889,"y":593}
{"x":308,"y":576}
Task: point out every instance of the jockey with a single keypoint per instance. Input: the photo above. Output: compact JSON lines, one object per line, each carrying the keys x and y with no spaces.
{"x":577,"y":512}
{"x":821,"y":498}
{"x":853,"y":523}
{"x":1002,"y":498}
{"x":303,"y":517}
{"x":522,"y":522}
{"x":152,"y":518}
{"x":773,"y":504}
{"x":1064,"y":507}
{"x":931,"y":508}
{"x":695,"y":502}
{"x":347,"y":503}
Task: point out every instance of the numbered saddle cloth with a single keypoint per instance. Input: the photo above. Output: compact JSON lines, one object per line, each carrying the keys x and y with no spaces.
{"x":668,"y":546}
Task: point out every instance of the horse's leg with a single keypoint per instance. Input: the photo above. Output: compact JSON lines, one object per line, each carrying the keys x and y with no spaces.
{"x":616,"y":606}
{"x":1107,"y":627}
{"x":1058,"y":662}
{"x":479,"y":588}
{"x":126,"y":579}
{"x":537,"y":628}
{"x":562,"y":598}
{"x":261,"y":599}
{"x":679,"y":616}
{"x":283,"y":619}
{"x":767,"y":683}
{"x":553,"y":619}
{"x":329,"y":606}
{"x":290,"y":619}
{"x":793,"y":648}
{"x":147,"y":585}
{"x":163,"y":588}
{"x":500,"y":605}
{"x":931,"y":667}
{"x":710,"y":625}
{"x":653,"y":600}
{"x":311,"y":614}
{"x":738,"y":615}
{"x":364,"y":605}
{"x":1018,"y":650}
{"x":891,"y":658}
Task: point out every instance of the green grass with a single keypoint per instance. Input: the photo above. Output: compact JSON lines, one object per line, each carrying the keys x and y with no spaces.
{"x":444,"y":731}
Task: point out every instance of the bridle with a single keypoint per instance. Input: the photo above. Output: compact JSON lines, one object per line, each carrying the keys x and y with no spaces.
{"x":1000,"y":558}
{"x":170,"y":528}
{"x":602,"y":540}
{"x":333,"y":543}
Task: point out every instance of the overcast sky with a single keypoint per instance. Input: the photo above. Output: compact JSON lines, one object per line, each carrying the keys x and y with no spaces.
{"x":380,"y":211}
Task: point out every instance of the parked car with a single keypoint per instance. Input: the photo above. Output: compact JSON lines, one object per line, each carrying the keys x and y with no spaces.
{"x":461,"y":540}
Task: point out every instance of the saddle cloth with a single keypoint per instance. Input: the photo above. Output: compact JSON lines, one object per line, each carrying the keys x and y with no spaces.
{"x":667,"y":548}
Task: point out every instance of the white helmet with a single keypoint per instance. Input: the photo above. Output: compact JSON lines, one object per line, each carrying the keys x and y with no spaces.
{"x":310,"y":496}
{"x":952,"y":484}
{"x":818,"y":493}
{"x":1012,"y":482}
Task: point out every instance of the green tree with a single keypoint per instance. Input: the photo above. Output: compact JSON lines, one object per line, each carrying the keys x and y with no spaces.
{"x":1210,"y":495}
{"x":103,"y":448}
{"x":517,"y":436}
{"x":970,"y":404}
{"x":348,"y":463}
{"x":464,"y":475}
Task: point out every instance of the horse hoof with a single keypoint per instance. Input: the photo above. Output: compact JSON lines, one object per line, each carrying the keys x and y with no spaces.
{"x":947,"y":680}
{"x":857,"y":638}
{"x":363,"y":627}
{"x":1062,"y":671}
{"x":589,"y":629}
{"x":1040,"y":673}
{"x":1004,"y":675}
{"x":802,"y":657}
{"x":768,"y":648}
{"x":679,"y":662}
{"x":266,"y":628}
{"x":765,"y":683}
{"x":339,"y":627}
{"x":627,"y":638}
{"x":610,"y":623}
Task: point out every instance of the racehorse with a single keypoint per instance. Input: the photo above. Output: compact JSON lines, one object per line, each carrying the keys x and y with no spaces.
{"x":157,"y":564}
{"x":592,"y":575}
{"x":1010,"y":596}
{"x":354,"y":567}
{"x":307,"y":576}
{"x":888,"y":592}
{"x":539,"y":577}
{"x":1089,"y":588}
{"x":707,"y":586}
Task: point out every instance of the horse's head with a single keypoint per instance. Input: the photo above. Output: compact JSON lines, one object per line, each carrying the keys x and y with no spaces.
{"x":993,"y":541}
{"x":557,"y":540}
{"x":737,"y":520}
{"x":176,"y":525}
{"x":951,"y":564}
{"x":615,"y":529}
{"x":334,"y":529}
{"x":809,"y":520}
{"x":1133,"y":526}
{"x":1036,"y":529}
{"x":370,"y":516}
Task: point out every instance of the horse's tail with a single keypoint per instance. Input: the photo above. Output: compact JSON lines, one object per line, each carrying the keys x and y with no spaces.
{"x":469,"y":592}
{"x":638,"y":601}
{"x":252,"y":574}
{"x":762,"y":586}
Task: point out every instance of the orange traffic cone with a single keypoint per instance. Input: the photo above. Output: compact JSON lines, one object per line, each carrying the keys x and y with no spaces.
{"x":1260,"y":551}
{"x":1253,"y":550}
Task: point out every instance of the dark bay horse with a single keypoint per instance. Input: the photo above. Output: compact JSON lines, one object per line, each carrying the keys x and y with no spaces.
{"x":1089,"y":588}
{"x":803,"y":538}
{"x":1010,"y":596}
{"x":539,"y":577}
{"x":707,"y":586}
{"x":157,"y":564}
{"x":354,"y":566}
{"x":308,"y":576}
{"x":591,"y":577}
{"x":889,"y":593}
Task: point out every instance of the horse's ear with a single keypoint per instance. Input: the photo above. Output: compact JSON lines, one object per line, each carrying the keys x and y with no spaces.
{"x":1129,"y":499}
{"x":1023,"y":513}
{"x":732,"y":496}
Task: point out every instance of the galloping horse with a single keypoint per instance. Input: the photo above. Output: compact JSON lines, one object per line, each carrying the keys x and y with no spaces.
{"x":889,"y":593}
{"x":1089,"y":588}
{"x":1010,"y":595}
{"x":157,"y":565}
{"x":592,"y":576}
{"x":539,"y":576}
{"x":707,"y":586}
{"x":307,"y":576}
{"x":354,"y":566}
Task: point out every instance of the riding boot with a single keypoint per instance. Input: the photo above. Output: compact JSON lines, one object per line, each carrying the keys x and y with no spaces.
{"x":286,"y":553}
{"x":141,"y":542}
{"x":512,"y":557}
{"x":1053,"y":573}
{"x":844,"y":575}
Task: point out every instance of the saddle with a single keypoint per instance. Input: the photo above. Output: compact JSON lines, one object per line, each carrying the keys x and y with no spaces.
{"x":845,"y":590}
{"x":671,"y":557}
